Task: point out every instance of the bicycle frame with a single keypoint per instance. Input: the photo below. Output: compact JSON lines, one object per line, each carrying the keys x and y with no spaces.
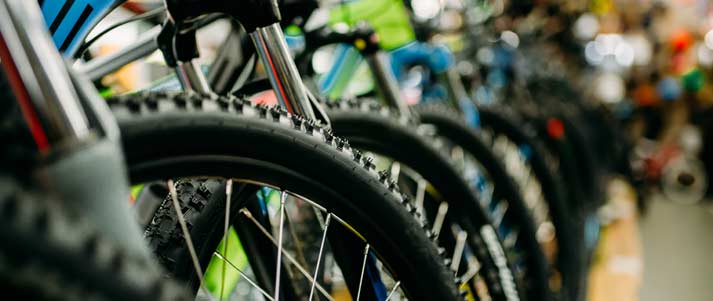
{"x":70,"y":21}
{"x":75,"y":133}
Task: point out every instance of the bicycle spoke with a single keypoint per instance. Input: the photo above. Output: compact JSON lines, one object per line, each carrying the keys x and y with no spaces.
{"x":186,"y":234}
{"x":421,"y":193}
{"x":440,"y":218}
{"x":319,"y":255}
{"x":289,"y":257}
{"x":458,"y":250}
{"x":511,"y":239}
{"x":395,"y":170}
{"x":228,"y":195}
{"x":545,"y":232}
{"x":283,"y":197}
{"x":541,"y":212}
{"x":525,"y":187}
{"x":318,"y":217}
{"x":458,"y":155}
{"x":363,"y":268}
{"x":473,"y":269}
{"x":393,"y":290}
{"x":242,"y":274}
{"x":487,"y":195}
{"x":499,"y":213}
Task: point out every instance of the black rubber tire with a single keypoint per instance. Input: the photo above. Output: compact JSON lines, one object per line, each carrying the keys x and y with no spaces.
{"x":455,"y":130}
{"x":180,"y":135}
{"x":574,"y":158}
{"x":582,"y":183}
{"x":571,"y":260}
{"x":371,"y":127}
{"x":46,"y":253}
{"x":584,"y":125}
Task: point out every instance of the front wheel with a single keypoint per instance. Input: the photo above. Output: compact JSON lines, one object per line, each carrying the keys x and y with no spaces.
{"x":375,"y":248}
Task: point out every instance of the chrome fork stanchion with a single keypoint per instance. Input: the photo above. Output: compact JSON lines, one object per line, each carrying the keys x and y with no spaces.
{"x":192,"y":77}
{"x":282,"y":71}
{"x":456,"y":91}
{"x":180,"y":51}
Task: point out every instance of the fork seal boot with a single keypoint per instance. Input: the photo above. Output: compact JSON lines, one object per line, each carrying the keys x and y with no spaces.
{"x":91,"y":180}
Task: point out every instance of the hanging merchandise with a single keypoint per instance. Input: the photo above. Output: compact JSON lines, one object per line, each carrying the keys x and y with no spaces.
{"x":693,"y":80}
{"x":669,"y":89}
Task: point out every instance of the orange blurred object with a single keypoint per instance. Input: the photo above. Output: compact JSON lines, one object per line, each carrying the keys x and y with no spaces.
{"x":268,"y":98}
{"x":681,"y":40}
{"x":645,"y":95}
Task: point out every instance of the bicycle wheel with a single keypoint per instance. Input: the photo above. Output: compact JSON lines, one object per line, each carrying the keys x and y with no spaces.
{"x":507,"y":206}
{"x":236,"y":141}
{"x":48,"y":254}
{"x":376,"y":129}
{"x":520,"y":152}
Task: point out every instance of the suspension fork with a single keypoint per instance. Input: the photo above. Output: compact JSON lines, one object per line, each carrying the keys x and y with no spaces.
{"x":76,"y":135}
{"x":447,"y":75}
{"x":364,"y":39}
{"x":458,"y":96}
{"x":285,"y":79}
{"x":260,"y":18}
{"x":386,"y":82}
{"x":367,"y":42}
{"x":456,"y":91}
{"x":180,"y":51}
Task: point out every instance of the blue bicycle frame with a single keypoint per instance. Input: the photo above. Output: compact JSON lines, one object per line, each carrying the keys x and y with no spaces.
{"x":70,"y":21}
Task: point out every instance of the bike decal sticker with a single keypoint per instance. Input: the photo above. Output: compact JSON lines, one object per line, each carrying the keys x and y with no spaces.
{"x":75,"y":29}
{"x":60,"y":17}
{"x":70,"y":21}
